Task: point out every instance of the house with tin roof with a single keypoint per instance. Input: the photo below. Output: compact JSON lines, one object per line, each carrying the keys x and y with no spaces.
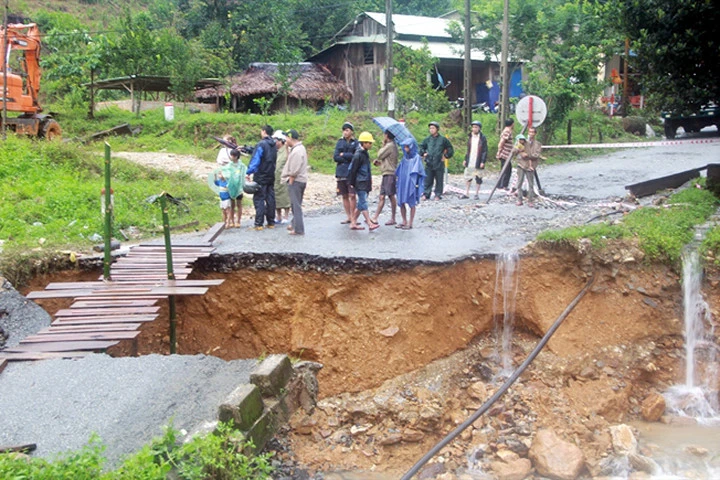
{"x":357,"y":57}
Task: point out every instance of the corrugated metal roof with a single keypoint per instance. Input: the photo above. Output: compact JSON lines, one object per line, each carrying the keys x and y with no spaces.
{"x":415,"y":25}
{"x":442,"y":50}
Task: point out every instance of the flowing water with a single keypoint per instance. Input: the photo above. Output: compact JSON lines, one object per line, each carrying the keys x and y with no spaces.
{"x":698,"y":396}
{"x":506,"y":287}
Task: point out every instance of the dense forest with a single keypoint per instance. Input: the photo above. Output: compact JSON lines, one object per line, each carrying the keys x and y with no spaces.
{"x":674,"y":42}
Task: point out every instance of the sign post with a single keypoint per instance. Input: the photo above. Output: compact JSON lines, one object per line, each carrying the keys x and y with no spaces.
{"x":531,"y":111}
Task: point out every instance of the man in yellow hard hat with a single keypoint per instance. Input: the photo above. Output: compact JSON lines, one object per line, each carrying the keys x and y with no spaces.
{"x":360,"y":178}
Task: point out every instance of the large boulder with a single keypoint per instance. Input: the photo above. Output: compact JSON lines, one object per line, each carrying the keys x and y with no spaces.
{"x":623,"y":440}
{"x":553,"y":457}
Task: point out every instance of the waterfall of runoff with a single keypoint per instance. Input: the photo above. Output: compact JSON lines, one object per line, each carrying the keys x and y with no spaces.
{"x":507,"y":280}
{"x":698,"y":396}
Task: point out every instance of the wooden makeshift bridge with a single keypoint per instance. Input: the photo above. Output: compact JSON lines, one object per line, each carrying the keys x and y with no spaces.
{"x":103,"y":313}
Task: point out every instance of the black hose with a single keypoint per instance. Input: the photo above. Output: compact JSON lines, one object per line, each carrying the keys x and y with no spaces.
{"x":504,"y":388}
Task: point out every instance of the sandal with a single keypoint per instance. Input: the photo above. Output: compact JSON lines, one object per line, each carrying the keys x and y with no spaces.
{"x":374,"y":226}
{"x":390,"y":222}
{"x":407,"y":227}
{"x":345,"y":222}
{"x":400,"y":225}
{"x":357,"y":227}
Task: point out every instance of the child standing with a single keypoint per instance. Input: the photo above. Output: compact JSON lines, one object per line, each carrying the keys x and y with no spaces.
{"x":222,"y":189}
{"x":236,"y":182}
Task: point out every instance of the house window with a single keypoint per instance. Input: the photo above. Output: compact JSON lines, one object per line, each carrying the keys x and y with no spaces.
{"x":368,"y":54}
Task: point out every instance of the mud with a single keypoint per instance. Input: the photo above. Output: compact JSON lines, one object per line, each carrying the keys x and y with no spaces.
{"x":410,"y":352}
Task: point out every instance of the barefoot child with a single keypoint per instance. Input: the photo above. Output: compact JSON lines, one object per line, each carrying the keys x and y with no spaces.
{"x":222,"y":190}
{"x":410,"y":176}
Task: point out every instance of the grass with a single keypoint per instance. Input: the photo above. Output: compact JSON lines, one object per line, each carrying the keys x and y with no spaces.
{"x":50,"y":194}
{"x":660,"y":232}
{"x":220,"y":455}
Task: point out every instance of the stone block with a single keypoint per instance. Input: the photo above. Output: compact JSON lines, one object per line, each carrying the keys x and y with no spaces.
{"x":262,"y":430}
{"x":272,"y":375}
{"x":243,"y":407}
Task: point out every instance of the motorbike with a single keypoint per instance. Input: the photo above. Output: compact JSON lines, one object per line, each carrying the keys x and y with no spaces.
{"x":476,"y":107}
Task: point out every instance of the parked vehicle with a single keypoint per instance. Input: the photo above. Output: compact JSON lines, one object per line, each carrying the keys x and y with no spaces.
{"x":22,"y":89}
{"x":476,"y":107}
{"x":695,"y":122}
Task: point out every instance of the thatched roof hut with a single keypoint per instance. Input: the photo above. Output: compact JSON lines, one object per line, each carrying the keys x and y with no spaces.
{"x":311,"y":84}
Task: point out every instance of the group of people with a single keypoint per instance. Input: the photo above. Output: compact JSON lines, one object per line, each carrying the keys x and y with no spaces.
{"x":279,"y":169}
{"x":402,"y":178}
{"x":279,"y":166}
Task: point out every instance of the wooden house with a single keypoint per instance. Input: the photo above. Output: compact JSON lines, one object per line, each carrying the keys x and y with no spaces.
{"x":357,"y":56}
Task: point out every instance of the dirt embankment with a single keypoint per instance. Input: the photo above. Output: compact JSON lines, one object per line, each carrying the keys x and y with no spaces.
{"x":410,"y":352}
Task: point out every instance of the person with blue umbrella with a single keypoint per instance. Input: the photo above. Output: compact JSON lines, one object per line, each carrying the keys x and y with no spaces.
{"x":410,"y":176}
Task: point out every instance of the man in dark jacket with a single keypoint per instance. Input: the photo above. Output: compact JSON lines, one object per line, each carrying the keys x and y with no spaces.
{"x":345,"y":148}
{"x":475,"y":158}
{"x":360,"y":178}
{"x":262,"y":167}
{"x":435,"y":149}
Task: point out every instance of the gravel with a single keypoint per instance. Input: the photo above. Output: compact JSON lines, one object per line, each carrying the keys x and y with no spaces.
{"x":19,"y":317}
{"x":57,"y":404}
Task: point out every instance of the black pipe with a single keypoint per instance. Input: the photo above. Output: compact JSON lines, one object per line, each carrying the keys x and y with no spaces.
{"x":508,"y":383}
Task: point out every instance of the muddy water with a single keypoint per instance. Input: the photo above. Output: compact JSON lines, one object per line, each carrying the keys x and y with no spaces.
{"x":682,"y":451}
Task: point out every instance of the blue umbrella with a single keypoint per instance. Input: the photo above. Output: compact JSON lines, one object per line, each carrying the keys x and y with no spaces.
{"x":393,"y":126}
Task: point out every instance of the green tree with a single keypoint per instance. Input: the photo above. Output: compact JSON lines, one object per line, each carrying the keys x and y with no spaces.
{"x":676,"y":43}
{"x":412,"y":89}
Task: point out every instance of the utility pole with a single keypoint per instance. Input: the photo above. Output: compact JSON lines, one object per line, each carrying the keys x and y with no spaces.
{"x":5,"y":69}
{"x":467,"y":67}
{"x":389,"y":59}
{"x":504,"y":104}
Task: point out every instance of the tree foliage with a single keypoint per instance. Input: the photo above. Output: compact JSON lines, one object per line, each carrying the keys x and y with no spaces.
{"x":412,"y":89}
{"x":676,"y":43}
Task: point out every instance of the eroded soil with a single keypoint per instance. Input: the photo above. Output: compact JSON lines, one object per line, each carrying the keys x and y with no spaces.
{"x":409,"y":350}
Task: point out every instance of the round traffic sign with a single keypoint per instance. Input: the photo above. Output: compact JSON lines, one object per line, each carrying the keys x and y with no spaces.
{"x":523,"y":110}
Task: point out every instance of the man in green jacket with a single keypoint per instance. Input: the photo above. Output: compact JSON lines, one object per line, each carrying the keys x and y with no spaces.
{"x":434,"y":149}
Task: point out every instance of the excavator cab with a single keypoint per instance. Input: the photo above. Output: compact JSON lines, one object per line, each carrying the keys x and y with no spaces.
{"x":22,"y":88}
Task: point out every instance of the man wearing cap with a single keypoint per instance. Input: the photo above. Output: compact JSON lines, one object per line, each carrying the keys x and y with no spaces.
{"x":360,"y":178}
{"x":295,"y":175}
{"x":475,"y":158}
{"x":525,"y":170}
{"x":262,"y":167}
{"x":504,"y":153}
{"x":345,"y":148}
{"x":434,"y":149}
{"x":282,"y":197}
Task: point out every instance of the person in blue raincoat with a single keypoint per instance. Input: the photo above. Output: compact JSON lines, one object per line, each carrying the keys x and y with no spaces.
{"x":410,"y":176}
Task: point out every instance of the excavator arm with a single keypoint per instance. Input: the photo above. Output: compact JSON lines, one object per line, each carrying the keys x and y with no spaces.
{"x":22,"y":90}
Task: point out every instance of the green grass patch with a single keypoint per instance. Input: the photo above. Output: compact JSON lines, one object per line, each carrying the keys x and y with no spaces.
{"x":50,"y":195}
{"x":661,"y":232}
{"x":221,"y":455}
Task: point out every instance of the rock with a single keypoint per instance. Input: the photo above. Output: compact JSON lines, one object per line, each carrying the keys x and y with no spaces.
{"x":391,"y":439}
{"x":412,"y":436}
{"x":478,"y":391}
{"x":507,"y":456}
{"x":623,"y":440}
{"x":390,"y":331}
{"x":431,"y":471}
{"x":554,"y":457}
{"x":515,"y":470}
{"x":653,"y":407}
{"x":644,"y":464}
{"x":697,"y":451}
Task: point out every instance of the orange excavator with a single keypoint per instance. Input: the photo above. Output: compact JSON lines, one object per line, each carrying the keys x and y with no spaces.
{"x":21,"y":89}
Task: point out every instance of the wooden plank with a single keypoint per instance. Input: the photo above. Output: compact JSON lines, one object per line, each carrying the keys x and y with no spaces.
{"x":74,"y":337}
{"x":198,"y":244}
{"x":25,"y":448}
{"x":89,"y":345}
{"x":214,"y":232}
{"x":100,"y":320}
{"x":57,"y":294}
{"x":123,"y":278}
{"x":117,"y":327}
{"x":101,"y":298}
{"x":113,"y":303}
{"x":30,"y":356}
{"x":84,"y":312}
{"x":3,"y":364}
{"x":675,"y":180}
{"x":181,"y":250}
{"x":177,"y":268}
{"x":162,"y":283}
